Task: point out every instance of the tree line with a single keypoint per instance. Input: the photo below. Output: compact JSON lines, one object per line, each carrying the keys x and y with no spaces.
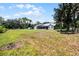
{"x":67,"y":17}
{"x":18,"y":23}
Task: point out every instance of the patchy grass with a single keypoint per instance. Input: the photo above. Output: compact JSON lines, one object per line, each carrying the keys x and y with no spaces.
{"x":13,"y":37}
{"x":10,"y":36}
{"x":39,"y":42}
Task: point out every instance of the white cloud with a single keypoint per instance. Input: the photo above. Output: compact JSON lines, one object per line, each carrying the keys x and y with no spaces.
{"x":10,"y":7}
{"x":16,"y":6}
{"x":33,"y":11}
{"x":28,"y":6}
{"x":6,"y":17}
{"x":36,"y":11}
{"x":16,"y":15}
{"x":28,"y":10}
{"x":33,"y":7}
{"x":27,"y":13}
{"x":20,"y":6}
{"x":37,"y":8}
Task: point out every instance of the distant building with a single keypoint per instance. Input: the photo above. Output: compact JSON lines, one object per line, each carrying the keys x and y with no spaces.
{"x":44,"y":26}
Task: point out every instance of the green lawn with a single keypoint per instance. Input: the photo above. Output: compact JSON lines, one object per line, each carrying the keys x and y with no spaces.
{"x":11,"y":36}
{"x":39,"y":42}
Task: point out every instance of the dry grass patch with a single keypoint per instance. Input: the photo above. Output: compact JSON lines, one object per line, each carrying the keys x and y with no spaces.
{"x":45,"y":42}
{"x":48,"y":42}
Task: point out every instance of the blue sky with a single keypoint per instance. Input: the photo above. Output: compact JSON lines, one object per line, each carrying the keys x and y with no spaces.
{"x":36,"y":11}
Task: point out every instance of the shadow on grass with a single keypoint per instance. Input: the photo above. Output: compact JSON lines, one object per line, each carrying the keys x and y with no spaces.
{"x":68,"y":33}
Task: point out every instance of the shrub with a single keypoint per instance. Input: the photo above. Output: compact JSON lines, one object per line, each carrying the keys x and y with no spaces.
{"x":2,"y":29}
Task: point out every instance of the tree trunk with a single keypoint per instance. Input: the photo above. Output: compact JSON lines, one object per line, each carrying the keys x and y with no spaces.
{"x":68,"y":28}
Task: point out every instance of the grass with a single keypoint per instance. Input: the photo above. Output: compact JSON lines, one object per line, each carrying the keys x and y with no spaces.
{"x":10,"y":36}
{"x":40,"y":42}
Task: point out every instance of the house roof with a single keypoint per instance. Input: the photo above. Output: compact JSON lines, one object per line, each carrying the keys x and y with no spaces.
{"x":46,"y":24}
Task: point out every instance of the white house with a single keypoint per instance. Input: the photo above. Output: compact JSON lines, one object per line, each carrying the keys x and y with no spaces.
{"x":44,"y":26}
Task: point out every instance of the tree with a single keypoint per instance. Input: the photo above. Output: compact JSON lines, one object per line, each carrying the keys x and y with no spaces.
{"x":66,"y":15}
{"x":25,"y":22}
{"x":1,"y":20}
{"x":38,"y":22}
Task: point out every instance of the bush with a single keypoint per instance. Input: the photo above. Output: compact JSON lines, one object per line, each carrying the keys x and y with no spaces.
{"x":2,"y":29}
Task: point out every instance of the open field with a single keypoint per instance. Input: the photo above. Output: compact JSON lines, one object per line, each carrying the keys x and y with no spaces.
{"x":38,"y":42}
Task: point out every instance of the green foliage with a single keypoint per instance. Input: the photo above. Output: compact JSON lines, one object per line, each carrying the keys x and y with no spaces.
{"x":1,"y":20}
{"x":20,"y":23}
{"x":67,"y":13}
{"x":57,"y":26}
{"x":38,"y":22}
{"x":77,"y":22}
{"x":2,"y":29}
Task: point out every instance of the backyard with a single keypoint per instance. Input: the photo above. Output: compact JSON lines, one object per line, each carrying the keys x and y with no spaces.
{"x":22,"y":42}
